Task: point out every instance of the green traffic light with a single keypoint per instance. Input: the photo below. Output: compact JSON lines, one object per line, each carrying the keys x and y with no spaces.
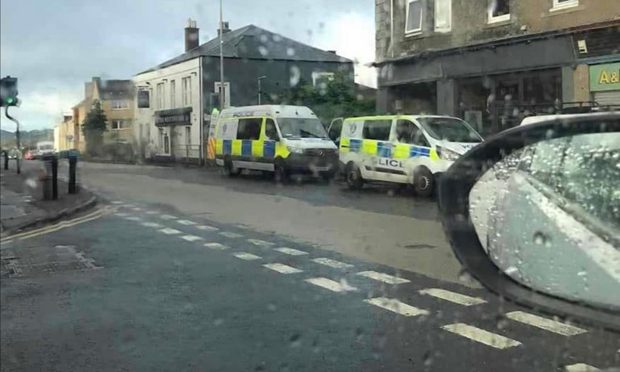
{"x":10,"y":100}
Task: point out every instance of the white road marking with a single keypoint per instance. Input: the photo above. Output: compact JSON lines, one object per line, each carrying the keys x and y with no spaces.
{"x":480,"y":335}
{"x":117,"y":202}
{"x":132,"y":218}
{"x":246,"y":256}
{"x":260,"y":243}
{"x":151,"y":212}
{"x":283,"y":269}
{"x":544,"y":323}
{"x":169,"y":231}
{"x":186,"y":222}
{"x":206,"y":228}
{"x":137,"y":209}
{"x":331,"y":285}
{"x":291,"y":251}
{"x":231,"y":235}
{"x":457,"y":298}
{"x":217,"y":246}
{"x":581,"y":367}
{"x":332,"y":263}
{"x":396,"y":306}
{"x":167,"y":217}
{"x":121,"y":214}
{"x":390,"y":279}
{"x":191,"y":238}
{"x":151,"y":224}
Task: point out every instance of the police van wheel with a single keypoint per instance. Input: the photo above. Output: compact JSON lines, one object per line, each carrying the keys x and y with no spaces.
{"x":353,"y":176}
{"x":230,"y":170}
{"x":280,"y":175}
{"x":424,"y":182}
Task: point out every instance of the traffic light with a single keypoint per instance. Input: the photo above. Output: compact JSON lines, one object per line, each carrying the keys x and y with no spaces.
{"x":8,"y":91}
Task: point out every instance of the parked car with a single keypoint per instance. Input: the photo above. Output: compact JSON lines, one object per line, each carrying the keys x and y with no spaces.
{"x":405,"y":149}
{"x":278,"y":139}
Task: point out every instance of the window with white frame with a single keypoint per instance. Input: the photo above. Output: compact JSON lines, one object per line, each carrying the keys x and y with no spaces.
{"x":443,"y":15}
{"x":188,"y":136}
{"x":499,"y":11}
{"x":322,"y":77}
{"x":118,"y":124}
{"x":173,"y":94}
{"x":563,"y":4}
{"x":186,"y":83}
{"x":120,"y":104}
{"x":415,"y":12}
{"x":160,"y":96}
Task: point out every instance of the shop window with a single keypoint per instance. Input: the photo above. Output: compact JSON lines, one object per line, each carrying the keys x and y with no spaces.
{"x":377,"y":130}
{"x":443,"y":15}
{"x":499,"y":11}
{"x":249,"y":129}
{"x":414,"y":16}
{"x":563,"y":4}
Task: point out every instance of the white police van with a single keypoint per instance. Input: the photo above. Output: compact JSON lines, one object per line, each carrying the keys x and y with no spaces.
{"x":405,"y":149}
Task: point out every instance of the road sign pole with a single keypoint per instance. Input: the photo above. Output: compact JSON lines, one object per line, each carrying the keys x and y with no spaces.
{"x":17,"y":139}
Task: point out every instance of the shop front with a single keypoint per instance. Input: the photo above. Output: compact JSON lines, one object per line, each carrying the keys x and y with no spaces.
{"x":605,"y":84}
{"x":167,"y":122}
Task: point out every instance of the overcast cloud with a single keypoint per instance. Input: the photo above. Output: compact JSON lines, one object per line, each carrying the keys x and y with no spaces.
{"x":56,"y":46}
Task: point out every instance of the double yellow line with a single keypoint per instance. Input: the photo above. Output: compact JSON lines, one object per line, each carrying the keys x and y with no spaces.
{"x":59,"y":226}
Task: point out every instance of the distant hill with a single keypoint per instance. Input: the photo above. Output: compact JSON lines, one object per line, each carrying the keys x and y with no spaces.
{"x":28,"y":138}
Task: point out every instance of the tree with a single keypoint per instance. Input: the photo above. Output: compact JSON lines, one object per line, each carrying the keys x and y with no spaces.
{"x":95,"y":124}
{"x":331,"y":99}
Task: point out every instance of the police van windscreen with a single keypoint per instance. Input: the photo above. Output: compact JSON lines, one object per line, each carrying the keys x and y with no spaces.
{"x":301,"y":128}
{"x":451,"y":130}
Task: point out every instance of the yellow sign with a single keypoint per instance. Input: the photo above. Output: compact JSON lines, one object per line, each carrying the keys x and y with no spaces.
{"x":605,"y":77}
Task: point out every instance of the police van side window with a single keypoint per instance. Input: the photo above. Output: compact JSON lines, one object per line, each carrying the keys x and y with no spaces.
{"x":249,"y":129}
{"x":270,"y":130}
{"x":408,"y":132}
{"x":377,"y":130}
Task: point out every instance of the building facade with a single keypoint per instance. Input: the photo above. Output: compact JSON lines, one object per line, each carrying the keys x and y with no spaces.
{"x":117,"y":101}
{"x":64,"y":134}
{"x":175,"y":99}
{"x":492,"y":62}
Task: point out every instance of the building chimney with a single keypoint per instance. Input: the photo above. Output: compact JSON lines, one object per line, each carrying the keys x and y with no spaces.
{"x":225,"y":28}
{"x":191,"y":35}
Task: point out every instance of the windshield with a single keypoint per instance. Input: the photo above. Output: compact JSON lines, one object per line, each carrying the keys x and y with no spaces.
{"x":237,"y":185}
{"x":301,"y":127}
{"x":451,"y":130}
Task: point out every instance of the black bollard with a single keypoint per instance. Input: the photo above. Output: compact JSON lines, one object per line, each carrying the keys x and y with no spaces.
{"x":6,"y":159}
{"x":47,"y":179}
{"x":72,"y":174}
{"x":54,"y":162}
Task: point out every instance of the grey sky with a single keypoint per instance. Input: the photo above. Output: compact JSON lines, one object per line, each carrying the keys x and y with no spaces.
{"x":56,"y":46}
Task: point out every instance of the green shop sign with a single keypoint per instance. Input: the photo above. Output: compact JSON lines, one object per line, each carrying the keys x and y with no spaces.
{"x":605,"y":77}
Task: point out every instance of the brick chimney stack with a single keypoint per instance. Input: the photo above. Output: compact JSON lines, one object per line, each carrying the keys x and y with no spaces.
{"x":191,"y":35}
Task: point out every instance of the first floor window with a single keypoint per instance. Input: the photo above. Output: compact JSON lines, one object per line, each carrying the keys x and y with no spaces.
{"x":414,"y":16}
{"x":499,"y":10}
{"x":188,"y":136}
{"x":443,"y":15}
{"x":117,"y":124}
{"x":562,"y":4}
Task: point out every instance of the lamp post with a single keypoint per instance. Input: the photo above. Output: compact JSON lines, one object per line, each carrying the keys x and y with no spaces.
{"x":221,"y":56}
{"x":260,"y":78}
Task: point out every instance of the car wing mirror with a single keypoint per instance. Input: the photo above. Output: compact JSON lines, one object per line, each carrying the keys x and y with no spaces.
{"x":533,"y":214}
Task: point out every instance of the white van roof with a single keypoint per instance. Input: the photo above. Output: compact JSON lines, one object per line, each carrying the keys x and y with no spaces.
{"x":283,"y":111}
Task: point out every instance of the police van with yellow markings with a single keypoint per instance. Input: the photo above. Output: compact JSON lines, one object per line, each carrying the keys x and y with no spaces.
{"x":274,"y":138}
{"x":405,"y":149}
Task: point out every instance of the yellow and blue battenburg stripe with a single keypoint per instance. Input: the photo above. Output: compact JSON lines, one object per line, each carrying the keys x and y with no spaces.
{"x":386,"y":149}
{"x":249,"y":148}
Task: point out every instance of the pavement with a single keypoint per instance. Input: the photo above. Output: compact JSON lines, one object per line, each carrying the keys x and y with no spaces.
{"x":158,"y":280}
{"x":21,"y":199}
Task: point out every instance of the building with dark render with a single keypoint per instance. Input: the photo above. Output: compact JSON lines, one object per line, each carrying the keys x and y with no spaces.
{"x":175,"y":98}
{"x":492,"y":62}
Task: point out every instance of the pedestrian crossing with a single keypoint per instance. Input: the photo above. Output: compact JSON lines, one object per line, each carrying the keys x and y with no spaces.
{"x":464,"y":330}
